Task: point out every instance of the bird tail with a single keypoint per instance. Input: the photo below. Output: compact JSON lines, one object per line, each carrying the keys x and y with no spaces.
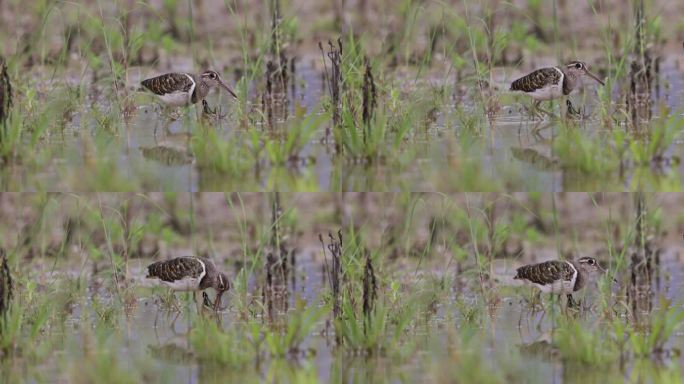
{"x":150,"y":274}
{"x":520,"y":273}
{"x":505,"y":275}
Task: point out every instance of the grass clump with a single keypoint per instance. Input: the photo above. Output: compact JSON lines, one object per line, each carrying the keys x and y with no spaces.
{"x":583,"y":344}
{"x":465,"y":361}
{"x":219,"y":347}
{"x":222,"y":156}
{"x":663,"y":324}
{"x":300,"y":324}
{"x":579,"y":153}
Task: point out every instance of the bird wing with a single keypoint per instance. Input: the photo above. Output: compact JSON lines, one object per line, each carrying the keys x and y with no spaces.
{"x":537,"y":79}
{"x":176,"y":269}
{"x":546,"y":273}
{"x":169,"y":83}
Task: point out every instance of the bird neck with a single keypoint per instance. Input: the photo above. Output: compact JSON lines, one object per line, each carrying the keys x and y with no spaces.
{"x":201,"y":89}
{"x":581,"y":279}
{"x":569,"y":80}
{"x":209,"y":279}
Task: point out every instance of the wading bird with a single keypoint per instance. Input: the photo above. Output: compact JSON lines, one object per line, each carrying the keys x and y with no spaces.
{"x":561,"y":277}
{"x":553,"y":82}
{"x":190,"y":273}
{"x":179,"y":89}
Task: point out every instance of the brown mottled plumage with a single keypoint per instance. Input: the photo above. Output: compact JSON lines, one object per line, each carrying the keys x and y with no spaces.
{"x":176,"y":269}
{"x":546,"y":273}
{"x":560,"y":277}
{"x":180,"y":89}
{"x":168,"y":83}
{"x":569,"y":75}
{"x":190,"y":273}
{"x":553,"y":82}
{"x":536,"y":80}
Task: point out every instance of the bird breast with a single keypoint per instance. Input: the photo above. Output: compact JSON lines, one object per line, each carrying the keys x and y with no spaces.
{"x":176,"y":99}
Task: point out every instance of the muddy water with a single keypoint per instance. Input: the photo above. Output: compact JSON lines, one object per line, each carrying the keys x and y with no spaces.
{"x":508,"y":153}
{"x":157,"y":338}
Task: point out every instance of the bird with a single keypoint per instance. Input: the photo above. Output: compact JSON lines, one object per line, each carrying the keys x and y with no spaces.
{"x":553,"y":82}
{"x":190,"y":273}
{"x":179,"y":89}
{"x":561,"y":276}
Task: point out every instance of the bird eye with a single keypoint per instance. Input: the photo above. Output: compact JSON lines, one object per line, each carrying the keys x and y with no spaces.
{"x":578,"y":65}
{"x":591,"y":261}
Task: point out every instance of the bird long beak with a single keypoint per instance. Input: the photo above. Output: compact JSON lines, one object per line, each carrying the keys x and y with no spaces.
{"x":217,"y":303}
{"x":228,"y":89}
{"x":595,"y":77}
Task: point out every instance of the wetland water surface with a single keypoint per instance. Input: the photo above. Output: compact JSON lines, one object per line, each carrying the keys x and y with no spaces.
{"x":406,"y":98}
{"x":447,"y":147}
{"x":413,"y":288}
{"x":149,"y":336}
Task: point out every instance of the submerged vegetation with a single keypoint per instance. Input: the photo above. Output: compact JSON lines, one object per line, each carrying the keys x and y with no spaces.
{"x":367,"y":95}
{"x":332,"y":96}
{"x":411,"y":287}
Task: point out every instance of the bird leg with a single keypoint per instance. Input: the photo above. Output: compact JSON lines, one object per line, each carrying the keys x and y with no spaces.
{"x":206,"y":302}
{"x":534,"y":111}
{"x":538,"y":107}
{"x":537,"y":111}
{"x":217,"y":303}
{"x":197,"y":304}
{"x":170,"y":300}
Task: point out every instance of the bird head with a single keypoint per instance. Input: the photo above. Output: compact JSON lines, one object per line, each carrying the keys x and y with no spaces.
{"x":590,"y":266}
{"x":213,"y":79}
{"x":580,"y":69}
{"x":222,"y":285}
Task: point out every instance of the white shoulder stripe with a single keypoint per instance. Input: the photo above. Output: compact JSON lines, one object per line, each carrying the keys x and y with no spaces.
{"x":574,"y":274}
{"x":192,"y":90}
{"x":204,"y":269}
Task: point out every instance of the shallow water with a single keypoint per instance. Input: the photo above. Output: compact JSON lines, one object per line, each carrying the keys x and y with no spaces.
{"x":509,"y":154}
{"x":157,"y":339}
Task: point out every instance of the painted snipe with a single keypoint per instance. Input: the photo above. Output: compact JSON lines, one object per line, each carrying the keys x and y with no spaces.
{"x":181,"y":89}
{"x":553,"y":82}
{"x":190,"y":273}
{"x":561,"y":277}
